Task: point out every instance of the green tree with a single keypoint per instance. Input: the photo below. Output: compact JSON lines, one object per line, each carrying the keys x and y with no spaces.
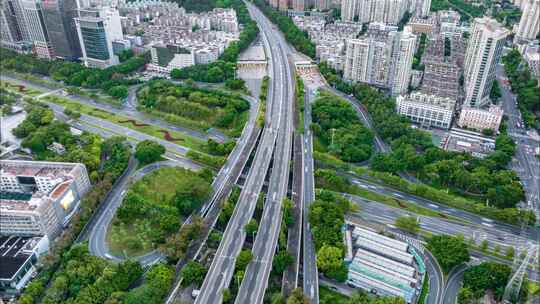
{"x":243,"y":260}
{"x":281,"y":261}
{"x":251,"y":227}
{"x":510,"y":252}
{"x":193,"y":273}
{"x":487,"y":275}
{"x":466,"y":296}
{"x":148,"y":151}
{"x":408,"y":223}
{"x":484,"y":245}
{"x":449,"y":251}
{"x":297,"y":297}
{"x":330,"y":262}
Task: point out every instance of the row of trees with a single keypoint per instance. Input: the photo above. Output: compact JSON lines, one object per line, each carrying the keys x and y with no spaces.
{"x":413,"y":151}
{"x":111,"y":80}
{"x":298,"y":38}
{"x":216,"y":108}
{"x":524,"y":85}
{"x":338,"y":128}
{"x":224,"y":68}
{"x":326,"y":217}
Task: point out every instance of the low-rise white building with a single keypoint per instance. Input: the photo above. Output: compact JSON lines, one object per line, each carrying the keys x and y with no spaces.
{"x":427,"y":110}
{"x":480,"y":119}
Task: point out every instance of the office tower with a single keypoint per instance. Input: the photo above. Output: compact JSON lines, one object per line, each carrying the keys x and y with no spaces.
{"x":8,"y":24}
{"x":482,"y":56}
{"x":97,"y":29}
{"x":403,"y":61}
{"x":529,"y":25}
{"x":59,"y":19}
{"x":300,"y":5}
{"x":14,"y":13}
{"x":382,"y":58}
{"x":37,"y":31}
{"x":349,"y":10}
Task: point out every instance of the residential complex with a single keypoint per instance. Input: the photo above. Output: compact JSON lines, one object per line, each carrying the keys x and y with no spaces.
{"x":177,"y":39}
{"x":480,"y":119}
{"x":529,"y":24}
{"x":386,"y":11}
{"x":427,"y":110}
{"x":441,"y":73}
{"x":382,"y":58}
{"x":39,"y":198}
{"x":483,"y":54}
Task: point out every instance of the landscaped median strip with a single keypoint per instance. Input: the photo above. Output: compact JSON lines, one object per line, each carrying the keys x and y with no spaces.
{"x":168,"y":135}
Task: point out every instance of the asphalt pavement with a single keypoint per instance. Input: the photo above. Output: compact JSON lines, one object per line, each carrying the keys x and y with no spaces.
{"x":310,"y":274}
{"x":222,"y":268}
{"x":256,"y":276}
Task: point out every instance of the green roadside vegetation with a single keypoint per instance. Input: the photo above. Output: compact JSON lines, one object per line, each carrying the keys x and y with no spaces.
{"x":486,"y":186}
{"x":261,"y":115}
{"x":329,"y":296}
{"x":449,"y":251}
{"x":193,"y":107}
{"x":169,"y":135}
{"x":225,"y":67}
{"x":425,"y":290}
{"x":154,"y":207}
{"x":299,"y":97}
{"x":330,"y":180}
{"x":524,"y":85}
{"x":298,"y":38}
{"x":326,"y":217}
{"x":113,"y":80}
{"x":478,"y":279}
{"x":338,"y":130}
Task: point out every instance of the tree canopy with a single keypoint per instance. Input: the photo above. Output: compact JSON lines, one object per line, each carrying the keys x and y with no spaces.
{"x":337,"y":126}
{"x":148,"y":151}
{"x":449,"y":251}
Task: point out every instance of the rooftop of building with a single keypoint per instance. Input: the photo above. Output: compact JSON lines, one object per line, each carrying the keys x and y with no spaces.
{"x":14,"y":251}
{"x":34,"y":168}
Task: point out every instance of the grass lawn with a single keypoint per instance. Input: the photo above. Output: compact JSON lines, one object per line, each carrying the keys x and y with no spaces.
{"x":179,"y":137}
{"x":328,"y":296}
{"x":157,"y":189}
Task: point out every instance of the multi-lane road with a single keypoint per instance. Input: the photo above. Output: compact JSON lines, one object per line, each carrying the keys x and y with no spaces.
{"x":222,"y":268}
{"x":257,"y":273}
{"x":309,"y":270}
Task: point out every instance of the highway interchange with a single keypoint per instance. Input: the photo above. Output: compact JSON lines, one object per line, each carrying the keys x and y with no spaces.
{"x":275,"y":144}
